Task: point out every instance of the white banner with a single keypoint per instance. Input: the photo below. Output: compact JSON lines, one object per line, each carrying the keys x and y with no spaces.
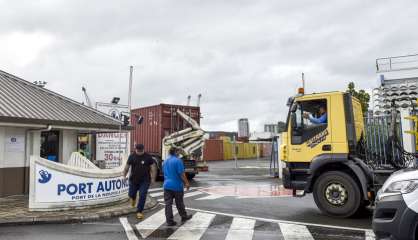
{"x":53,"y":186}
{"x":113,"y":110}
{"x":111,"y":147}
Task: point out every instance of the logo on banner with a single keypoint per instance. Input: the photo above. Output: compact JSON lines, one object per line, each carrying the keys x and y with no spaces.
{"x":45,"y":176}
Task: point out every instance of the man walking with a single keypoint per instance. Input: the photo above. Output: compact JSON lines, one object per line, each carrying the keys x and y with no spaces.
{"x":143,"y":171}
{"x":174,"y":177}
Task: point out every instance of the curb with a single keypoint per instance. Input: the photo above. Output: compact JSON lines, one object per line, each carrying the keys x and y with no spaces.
{"x":73,"y":219}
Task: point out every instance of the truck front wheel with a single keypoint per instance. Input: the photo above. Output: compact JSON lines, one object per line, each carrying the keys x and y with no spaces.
{"x":337,"y":194}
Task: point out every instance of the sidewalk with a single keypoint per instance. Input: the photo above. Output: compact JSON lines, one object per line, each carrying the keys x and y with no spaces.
{"x":14,"y":211}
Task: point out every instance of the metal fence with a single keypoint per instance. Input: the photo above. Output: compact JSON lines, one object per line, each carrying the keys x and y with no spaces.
{"x":379,"y":150}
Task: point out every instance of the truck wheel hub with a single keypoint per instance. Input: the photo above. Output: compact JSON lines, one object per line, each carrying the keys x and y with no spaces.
{"x":336,"y":194}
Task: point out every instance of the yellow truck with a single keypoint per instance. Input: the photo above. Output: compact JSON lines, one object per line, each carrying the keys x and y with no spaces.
{"x":331,"y":158}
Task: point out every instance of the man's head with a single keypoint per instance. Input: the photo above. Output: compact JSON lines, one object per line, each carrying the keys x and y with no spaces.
{"x":173,"y":151}
{"x":322,"y":109}
{"x":139,"y":149}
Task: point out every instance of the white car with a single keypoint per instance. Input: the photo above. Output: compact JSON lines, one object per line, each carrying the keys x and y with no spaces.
{"x":396,"y":212}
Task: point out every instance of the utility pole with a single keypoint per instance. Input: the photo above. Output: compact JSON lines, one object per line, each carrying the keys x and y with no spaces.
{"x":188,"y":100}
{"x":198,"y":99}
{"x":303,"y":81}
{"x":131,"y":69}
{"x":235,"y":151}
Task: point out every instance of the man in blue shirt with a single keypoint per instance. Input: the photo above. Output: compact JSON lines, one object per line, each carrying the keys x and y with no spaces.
{"x":323,"y":116}
{"x":174,"y":177}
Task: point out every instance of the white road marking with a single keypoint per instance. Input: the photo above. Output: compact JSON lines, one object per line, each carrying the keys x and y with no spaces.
{"x":152,"y":223}
{"x":210,"y":197}
{"x":369,"y":235}
{"x":194,"y":228}
{"x":157,"y":194}
{"x":278,"y":221}
{"x":191,"y":194}
{"x":295,"y":232}
{"x":128,"y":229}
{"x":154,"y":189}
{"x":241,"y":229}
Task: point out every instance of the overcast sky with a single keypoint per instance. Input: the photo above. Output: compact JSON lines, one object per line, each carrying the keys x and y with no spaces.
{"x":244,"y":56}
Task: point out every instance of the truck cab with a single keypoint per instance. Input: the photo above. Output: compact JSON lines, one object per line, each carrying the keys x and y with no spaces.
{"x":317,"y":154}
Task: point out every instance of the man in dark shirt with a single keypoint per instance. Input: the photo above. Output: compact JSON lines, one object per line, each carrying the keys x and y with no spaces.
{"x":143,"y":172}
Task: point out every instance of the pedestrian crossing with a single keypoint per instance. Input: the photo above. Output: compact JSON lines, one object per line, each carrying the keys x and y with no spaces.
{"x":158,"y":194}
{"x":212,"y":225}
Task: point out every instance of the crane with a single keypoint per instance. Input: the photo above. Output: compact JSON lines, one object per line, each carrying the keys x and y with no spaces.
{"x":86,"y":96}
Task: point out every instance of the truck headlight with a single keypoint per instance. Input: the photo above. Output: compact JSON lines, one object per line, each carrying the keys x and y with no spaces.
{"x":402,"y":187}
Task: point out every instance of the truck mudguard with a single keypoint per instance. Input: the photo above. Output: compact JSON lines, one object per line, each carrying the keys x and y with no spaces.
{"x":322,"y":160}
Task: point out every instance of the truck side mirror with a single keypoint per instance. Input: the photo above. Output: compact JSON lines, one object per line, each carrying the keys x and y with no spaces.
{"x":293,"y":120}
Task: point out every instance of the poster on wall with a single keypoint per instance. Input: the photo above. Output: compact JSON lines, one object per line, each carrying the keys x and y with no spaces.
{"x":111,"y":148}
{"x":15,"y":143}
{"x":51,"y":186}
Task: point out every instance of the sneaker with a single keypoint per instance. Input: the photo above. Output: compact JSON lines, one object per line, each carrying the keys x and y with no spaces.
{"x":171,"y":224}
{"x":188,"y":217}
{"x":139,"y":216}
{"x":132,"y":202}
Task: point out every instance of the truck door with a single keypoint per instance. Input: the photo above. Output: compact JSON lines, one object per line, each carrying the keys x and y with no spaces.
{"x":310,"y":130}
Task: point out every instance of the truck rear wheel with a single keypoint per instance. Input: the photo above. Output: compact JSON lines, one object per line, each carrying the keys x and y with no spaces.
{"x":337,"y":194}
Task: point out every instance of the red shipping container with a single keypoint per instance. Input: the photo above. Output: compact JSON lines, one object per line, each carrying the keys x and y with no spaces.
{"x":213,"y":150}
{"x":159,"y":121}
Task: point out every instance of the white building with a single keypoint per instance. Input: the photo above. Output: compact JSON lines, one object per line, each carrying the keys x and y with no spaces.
{"x":397,"y":81}
{"x":271,"y":128}
{"x":39,"y":122}
{"x":243,"y":127}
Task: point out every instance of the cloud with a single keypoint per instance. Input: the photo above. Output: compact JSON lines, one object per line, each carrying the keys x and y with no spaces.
{"x":245,"y":57}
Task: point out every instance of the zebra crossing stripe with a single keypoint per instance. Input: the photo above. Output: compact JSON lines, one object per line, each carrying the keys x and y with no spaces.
{"x":128,"y":229}
{"x":157,"y":194}
{"x":155,"y":189}
{"x":241,"y":229}
{"x":191,"y":194}
{"x":210,"y":197}
{"x":369,"y":235}
{"x":194,"y":228}
{"x":152,"y":223}
{"x":295,"y":232}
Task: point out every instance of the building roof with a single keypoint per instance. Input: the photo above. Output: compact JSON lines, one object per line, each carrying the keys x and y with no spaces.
{"x":24,"y":102}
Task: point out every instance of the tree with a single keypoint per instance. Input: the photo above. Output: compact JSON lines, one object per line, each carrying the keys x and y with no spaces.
{"x":361,"y":95}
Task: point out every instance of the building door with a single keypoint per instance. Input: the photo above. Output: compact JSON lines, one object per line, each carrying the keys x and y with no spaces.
{"x":50,"y":145}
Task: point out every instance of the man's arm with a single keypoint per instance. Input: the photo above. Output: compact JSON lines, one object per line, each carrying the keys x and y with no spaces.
{"x":125,"y":170}
{"x":153,"y":172}
{"x":180,"y":170}
{"x":185,"y":181}
{"x":314,"y":120}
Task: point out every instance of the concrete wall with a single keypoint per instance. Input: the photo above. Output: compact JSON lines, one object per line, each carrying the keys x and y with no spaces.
{"x":14,"y":166}
{"x":68,"y":144}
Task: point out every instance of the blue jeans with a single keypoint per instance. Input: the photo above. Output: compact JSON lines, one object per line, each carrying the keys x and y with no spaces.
{"x":142,"y":187}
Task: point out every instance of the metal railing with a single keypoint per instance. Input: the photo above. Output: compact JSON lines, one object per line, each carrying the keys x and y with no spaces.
{"x":398,"y":63}
{"x":378,"y":147}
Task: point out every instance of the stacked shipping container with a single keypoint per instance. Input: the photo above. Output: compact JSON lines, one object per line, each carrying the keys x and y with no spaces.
{"x":159,"y":121}
{"x":223,"y":149}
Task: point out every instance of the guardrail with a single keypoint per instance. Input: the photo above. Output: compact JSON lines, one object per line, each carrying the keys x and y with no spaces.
{"x":79,"y":161}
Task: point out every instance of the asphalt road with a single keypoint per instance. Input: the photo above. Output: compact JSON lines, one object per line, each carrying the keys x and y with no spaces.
{"x":227,"y":203}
